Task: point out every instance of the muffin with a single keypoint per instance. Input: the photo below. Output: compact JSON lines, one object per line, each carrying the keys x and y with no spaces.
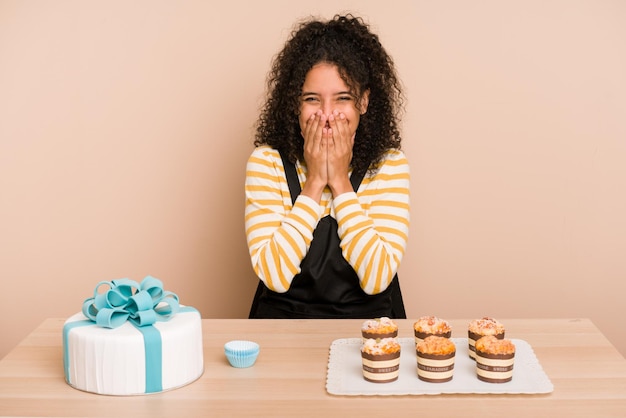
{"x":481,"y":327}
{"x":381,"y":360}
{"x":494,"y":359}
{"x":379,"y":328}
{"x":431,"y":325}
{"x":435,"y":359}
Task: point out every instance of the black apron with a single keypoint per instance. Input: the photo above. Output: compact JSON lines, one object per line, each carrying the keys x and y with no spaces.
{"x":327,"y":285}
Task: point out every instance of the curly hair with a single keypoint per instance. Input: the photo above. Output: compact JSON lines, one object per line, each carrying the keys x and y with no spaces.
{"x":363,"y":64}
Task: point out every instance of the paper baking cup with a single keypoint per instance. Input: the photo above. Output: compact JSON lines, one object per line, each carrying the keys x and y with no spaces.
{"x":379,"y":335}
{"x":421,"y":336}
{"x":494,"y":368}
{"x":240,"y":353}
{"x":381,"y":368}
{"x":435,"y":368}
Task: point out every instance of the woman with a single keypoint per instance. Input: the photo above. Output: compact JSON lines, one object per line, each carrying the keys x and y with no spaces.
{"x":327,"y":186}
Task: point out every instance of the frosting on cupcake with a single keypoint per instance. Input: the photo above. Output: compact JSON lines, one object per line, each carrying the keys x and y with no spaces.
{"x":380,"y":346}
{"x":382,"y":325}
{"x":436,"y":345}
{"x":486,"y":326}
{"x":432,"y":325}
{"x":492,"y":345}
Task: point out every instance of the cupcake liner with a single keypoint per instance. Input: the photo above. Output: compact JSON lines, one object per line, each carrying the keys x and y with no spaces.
{"x":494,"y":368}
{"x":240,"y":353}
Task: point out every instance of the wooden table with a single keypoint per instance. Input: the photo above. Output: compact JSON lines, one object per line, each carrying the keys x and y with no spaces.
{"x":588,"y":374}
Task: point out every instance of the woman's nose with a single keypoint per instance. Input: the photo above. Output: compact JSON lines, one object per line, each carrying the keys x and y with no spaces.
{"x":326,"y":108}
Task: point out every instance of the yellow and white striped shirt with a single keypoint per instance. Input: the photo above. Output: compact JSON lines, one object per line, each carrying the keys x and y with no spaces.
{"x":373,"y":223}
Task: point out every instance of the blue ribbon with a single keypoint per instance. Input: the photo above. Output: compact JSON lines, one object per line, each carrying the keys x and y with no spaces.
{"x":140,"y":304}
{"x":126,"y":300}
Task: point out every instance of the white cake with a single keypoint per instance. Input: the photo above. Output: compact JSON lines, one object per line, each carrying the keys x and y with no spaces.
{"x":130,"y":359}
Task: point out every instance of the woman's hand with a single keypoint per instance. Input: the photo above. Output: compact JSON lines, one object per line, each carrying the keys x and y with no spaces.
{"x":340,"y":143}
{"x":316,"y":140}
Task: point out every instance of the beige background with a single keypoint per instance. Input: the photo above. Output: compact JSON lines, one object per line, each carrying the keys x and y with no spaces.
{"x":125,"y":128}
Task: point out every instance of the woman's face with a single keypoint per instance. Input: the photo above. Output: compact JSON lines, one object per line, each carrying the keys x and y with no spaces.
{"x":325,"y":90}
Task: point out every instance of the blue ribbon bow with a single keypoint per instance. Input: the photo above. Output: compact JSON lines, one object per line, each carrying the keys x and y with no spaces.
{"x":126,"y":300}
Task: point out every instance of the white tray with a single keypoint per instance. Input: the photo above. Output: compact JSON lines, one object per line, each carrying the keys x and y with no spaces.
{"x":345,"y":376}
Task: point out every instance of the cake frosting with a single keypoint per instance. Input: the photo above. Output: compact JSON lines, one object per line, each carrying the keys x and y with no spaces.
{"x":492,"y":345}
{"x":435,"y":359}
{"x":486,"y":326}
{"x":379,"y":328}
{"x":381,"y":360}
{"x":431,"y":325}
{"x":132,"y":339}
{"x":494,"y":359}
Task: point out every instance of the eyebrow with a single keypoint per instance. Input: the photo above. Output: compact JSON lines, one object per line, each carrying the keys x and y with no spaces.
{"x":340,"y":93}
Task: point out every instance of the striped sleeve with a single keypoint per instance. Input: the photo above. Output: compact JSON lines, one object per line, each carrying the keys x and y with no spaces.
{"x":278,"y":235}
{"x":374,"y":223}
